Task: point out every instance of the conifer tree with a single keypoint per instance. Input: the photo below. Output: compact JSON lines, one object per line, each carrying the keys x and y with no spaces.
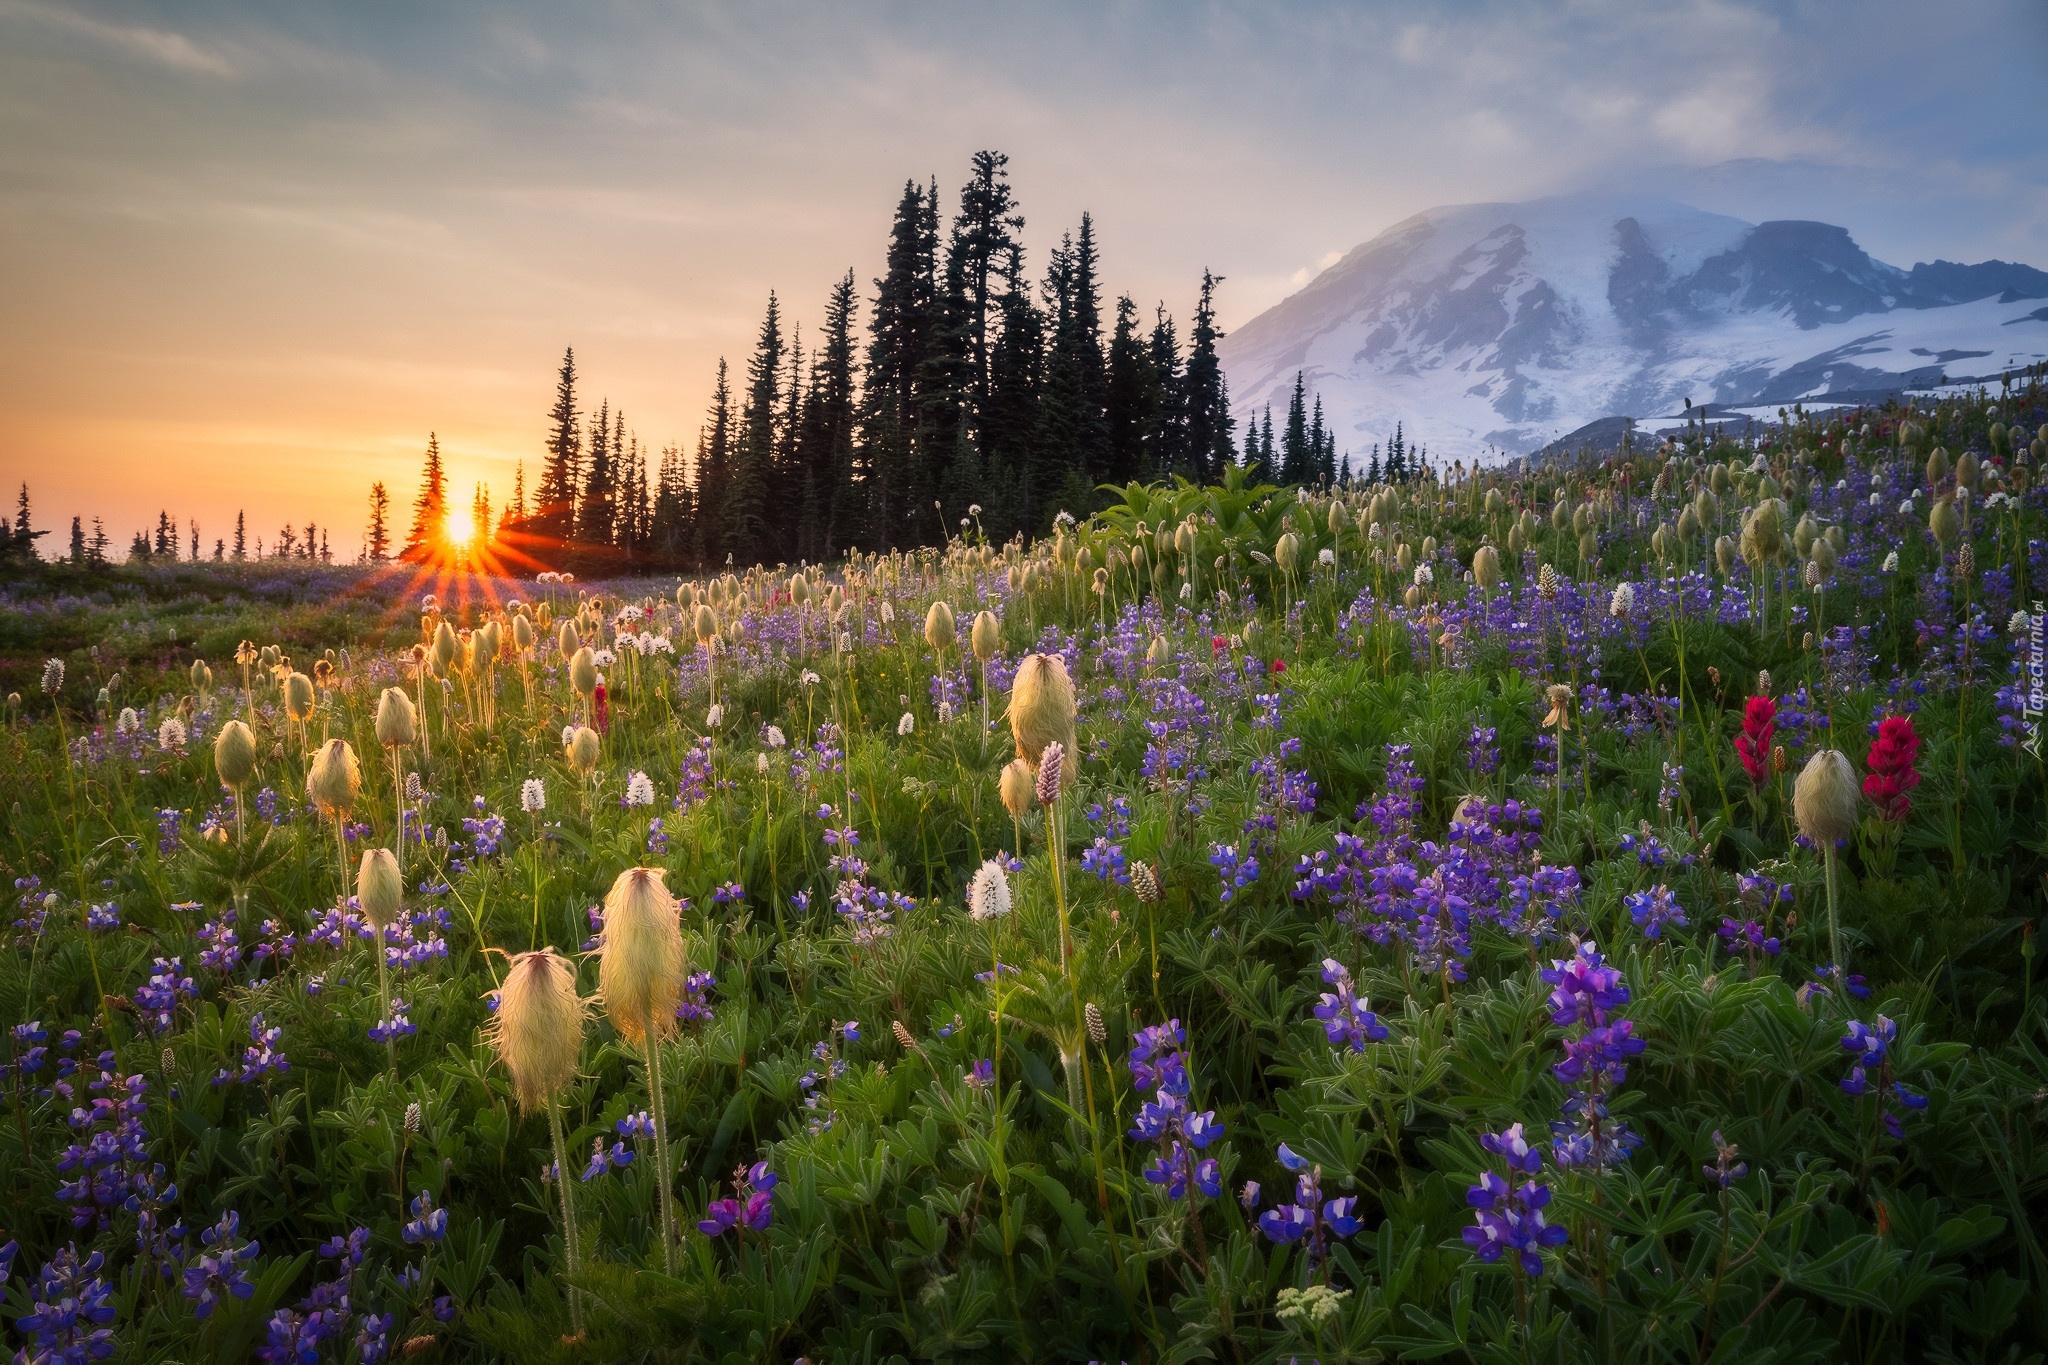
{"x":827,"y":455}
{"x":900,"y":338}
{"x":746,"y":498}
{"x":668,"y":527}
{"x":429,"y":510}
{"x":1010,"y":422}
{"x":714,"y":476}
{"x":1294,"y":452}
{"x":594,"y":512}
{"x":377,"y":537}
{"x":561,"y":472}
{"x":97,"y":550}
{"x":1266,"y":459}
{"x":241,"y":538}
{"x":786,"y":475}
{"x":1208,"y":403}
{"x":1166,"y":444}
{"x":515,"y":510}
{"x":77,"y":541}
{"x":1133,"y":399}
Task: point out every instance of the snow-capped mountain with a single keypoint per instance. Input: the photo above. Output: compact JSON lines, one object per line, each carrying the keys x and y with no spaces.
{"x":1495,"y":328}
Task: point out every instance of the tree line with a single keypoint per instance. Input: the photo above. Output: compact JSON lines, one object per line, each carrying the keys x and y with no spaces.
{"x":972,"y":390}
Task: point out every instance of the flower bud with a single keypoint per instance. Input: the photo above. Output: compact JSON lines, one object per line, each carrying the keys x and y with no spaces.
{"x":334,"y":780}
{"x":298,"y":697}
{"x":987,"y":634}
{"x":202,"y":676}
{"x":380,"y":886}
{"x":583,"y":671}
{"x":1016,"y":789}
{"x":566,"y":641}
{"x":1824,"y":798}
{"x":1145,"y":882}
{"x":640,"y":955}
{"x":538,"y":1029}
{"x":1158,"y":654}
{"x":397,"y":723}
{"x":939,"y":631}
{"x":583,"y":750}
{"x":1945,"y":522}
{"x":234,"y":754}
{"x":1486,"y":567}
{"x":522,"y":632}
{"x":446,"y":646}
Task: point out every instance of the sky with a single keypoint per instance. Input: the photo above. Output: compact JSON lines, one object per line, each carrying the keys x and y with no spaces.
{"x":252,"y":254}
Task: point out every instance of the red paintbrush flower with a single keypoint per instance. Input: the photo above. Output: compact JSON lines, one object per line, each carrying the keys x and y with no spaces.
{"x":601,"y":710}
{"x":1217,"y":644}
{"x":1891,"y":759}
{"x":1279,"y":665}
{"x":1753,"y":745}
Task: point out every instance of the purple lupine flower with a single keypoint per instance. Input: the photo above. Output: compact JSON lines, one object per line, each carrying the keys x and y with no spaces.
{"x":1309,"y":1218}
{"x":1654,"y":909}
{"x":1346,"y":1020}
{"x":70,"y":1307}
{"x":428,"y":1224}
{"x":755,"y":1212}
{"x":1724,"y":1170}
{"x":1584,"y":995}
{"x":1509,"y":1218}
{"x":1870,"y":1046}
{"x":216,"y":1272}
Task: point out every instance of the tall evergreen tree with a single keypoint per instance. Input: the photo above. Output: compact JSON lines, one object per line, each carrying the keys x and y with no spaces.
{"x":1010,"y":421}
{"x":1207,"y":405}
{"x":746,"y":499}
{"x":827,"y":445}
{"x":515,"y":510}
{"x":900,"y":337}
{"x":77,"y":541}
{"x":1134,"y":398}
{"x":786,"y":479}
{"x":377,"y":538}
{"x":1253,"y":463}
{"x":23,"y":542}
{"x":96,"y":549}
{"x":714,"y":475}
{"x":429,"y":510}
{"x":596,"y":507}
{"x":241,"y":538}
{"x":166,"y":545}
{"x":1266,"y":460}
{"x":1076,"y":457}
{"x":561,"y":472}
{"x":669,"y":525}
{"x":1322,"y":449}
{"x":1166,"y":444}
{"x":1295,"y":460}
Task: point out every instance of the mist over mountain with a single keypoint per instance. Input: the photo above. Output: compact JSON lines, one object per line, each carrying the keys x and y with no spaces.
{"x":1496,"y":328}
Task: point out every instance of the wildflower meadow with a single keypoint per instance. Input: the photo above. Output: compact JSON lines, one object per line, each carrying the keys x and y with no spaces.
{"x":1576,"y":912}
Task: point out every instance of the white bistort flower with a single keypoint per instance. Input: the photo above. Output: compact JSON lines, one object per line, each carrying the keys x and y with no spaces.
{"x":1891,"y":562}
{"x":128,"y":722}
{"x":533,"y":797}
{"x":1326,"y":556}
{"x":988,"y":894}
{"x":639,"y":789}
{"x":1424,"y":576}
{"x":774,"y":738}
{"x":170,"y":736}
{"x":568,"y":733}
{"x":1623,"y":602}
{"x":714,"y":717}
{"x":907,"y":724}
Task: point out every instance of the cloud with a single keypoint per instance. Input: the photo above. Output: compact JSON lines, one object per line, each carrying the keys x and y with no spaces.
{"x":152,"y":44}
